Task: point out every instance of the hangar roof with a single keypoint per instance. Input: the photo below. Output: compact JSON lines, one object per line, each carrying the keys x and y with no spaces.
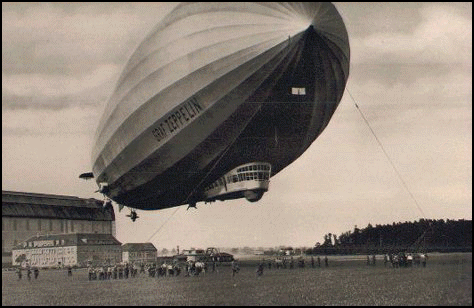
{"x":138,"y":247}
{"x":34,"y":205}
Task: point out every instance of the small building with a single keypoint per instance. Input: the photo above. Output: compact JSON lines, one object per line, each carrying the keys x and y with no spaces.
{"x":139,"y":252}
{"x":194,"y":255}
{"x":287,"y":251}
{"x":211,"y":254}
{"x":217,"y":256}
{"x":223,"y":257}
{"x":79,"y":249}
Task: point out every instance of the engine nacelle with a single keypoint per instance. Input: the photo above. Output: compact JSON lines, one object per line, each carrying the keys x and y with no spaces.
{"x":253,"y":195}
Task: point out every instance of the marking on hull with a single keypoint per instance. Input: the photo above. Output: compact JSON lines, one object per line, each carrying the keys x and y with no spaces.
{"x":177,"y":119}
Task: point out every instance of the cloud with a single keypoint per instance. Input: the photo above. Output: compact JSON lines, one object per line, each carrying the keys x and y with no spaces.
{"x":85,"y":31}
{"x":55,"y":55}
{"x":57,"y":85}
{"x":70,"y":121}
{"x":43,"y":91}
{"x":411,"y":86}
{"x":442,"y":36}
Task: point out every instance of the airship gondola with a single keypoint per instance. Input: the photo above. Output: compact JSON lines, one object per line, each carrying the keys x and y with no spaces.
{"x":219,"y":98}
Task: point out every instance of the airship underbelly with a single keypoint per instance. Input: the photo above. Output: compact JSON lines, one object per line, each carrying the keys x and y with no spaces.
{"x":265,"y":102}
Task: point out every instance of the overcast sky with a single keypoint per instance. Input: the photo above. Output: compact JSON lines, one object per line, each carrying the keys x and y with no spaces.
{"x":411,"y":75}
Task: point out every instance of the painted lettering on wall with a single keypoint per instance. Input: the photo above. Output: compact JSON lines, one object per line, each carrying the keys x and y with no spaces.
{"x":177,"y":119}
{"x":45,"y":243}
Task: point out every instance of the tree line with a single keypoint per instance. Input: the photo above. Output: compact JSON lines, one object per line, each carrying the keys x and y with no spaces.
{"x":423,"y":235}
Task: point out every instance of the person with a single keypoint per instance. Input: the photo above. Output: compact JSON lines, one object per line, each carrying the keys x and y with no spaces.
{"x":235,"y":268}
{"x":423,"y":259}
{"x":18,"y":272}
{"x":326,"y":261}
{"x":90,"y":271}
{"x":260,"y":269}
{"x":101,"y":272}
{"x":69,"y":270}
{"x":301,"y":262}
{"x":187,"y":269}
{"x":28,"y":273}
{"x":368,"y":260}
{"x":36,"y":272}
{"x":120,"y":272}
{"x":177,"y":269}
{"x":126,"y":271}
{"x":319,"y":261}
{"x":110,"y":271}
{"x":373,"y":259}
{"x":395,"y":261}
{"x":312,"y":261}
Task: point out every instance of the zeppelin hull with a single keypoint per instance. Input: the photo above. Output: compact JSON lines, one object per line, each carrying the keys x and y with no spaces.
{"x":263,"y":92}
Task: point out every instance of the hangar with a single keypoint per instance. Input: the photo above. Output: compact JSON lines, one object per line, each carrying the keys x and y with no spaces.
{"x":26,"y":215}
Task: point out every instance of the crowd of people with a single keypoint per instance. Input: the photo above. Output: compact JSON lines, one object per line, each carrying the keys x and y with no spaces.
{"x":118,"y":271}
{"x":403,"y":259}
{"x":194,"y":268}
{"x":29,"y":271}
{"x":151,"y":269}
{"x":284,"y":262}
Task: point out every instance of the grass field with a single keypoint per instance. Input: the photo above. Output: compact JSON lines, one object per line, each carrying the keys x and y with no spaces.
{"x":447,"y":280}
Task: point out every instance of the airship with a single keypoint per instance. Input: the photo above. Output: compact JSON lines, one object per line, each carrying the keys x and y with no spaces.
{"x":217,"y":99}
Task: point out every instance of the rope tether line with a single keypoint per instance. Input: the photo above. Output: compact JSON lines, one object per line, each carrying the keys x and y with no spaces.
{"x":386,"y":154}
{"x":430,"y":226}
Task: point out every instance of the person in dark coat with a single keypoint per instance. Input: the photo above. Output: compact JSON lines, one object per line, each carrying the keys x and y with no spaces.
{"x":260,"y":269}
{"x":126,"y":271}
{"x":18,"y":272}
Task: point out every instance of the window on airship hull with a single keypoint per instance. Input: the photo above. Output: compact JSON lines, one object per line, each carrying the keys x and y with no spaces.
{"x":298,"y":91}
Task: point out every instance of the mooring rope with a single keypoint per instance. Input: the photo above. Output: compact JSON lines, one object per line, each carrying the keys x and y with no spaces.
{"x":386,"y":155}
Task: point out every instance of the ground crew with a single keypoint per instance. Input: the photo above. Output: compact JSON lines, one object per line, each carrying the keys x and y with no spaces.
{"x":235,"y":268}
{"x":260,"y":269}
